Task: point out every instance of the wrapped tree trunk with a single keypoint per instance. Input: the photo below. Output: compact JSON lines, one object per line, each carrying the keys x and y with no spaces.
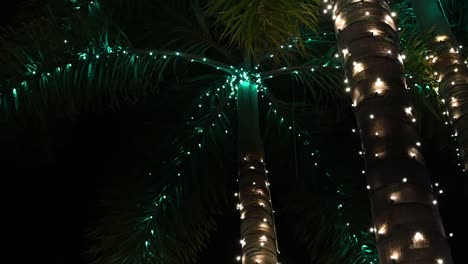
{"x":449,"y":68}
{"x":405,"y":215}
{"x":258,"y":236}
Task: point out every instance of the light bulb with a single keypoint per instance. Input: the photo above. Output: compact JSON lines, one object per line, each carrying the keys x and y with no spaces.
{"x":418,"y":237}
{"x":378,"y":83}
{"x":382,"y":230}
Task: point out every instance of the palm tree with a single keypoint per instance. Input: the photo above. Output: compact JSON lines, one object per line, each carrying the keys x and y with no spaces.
{"x":399,"y":183}
{"x":235,"y":49}
{"x":449,"y":68}
{"x":91,"y":43}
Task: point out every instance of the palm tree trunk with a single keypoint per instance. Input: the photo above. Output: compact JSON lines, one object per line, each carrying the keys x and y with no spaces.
{"x":405,"y":215}
{"x":449,"y":65}
{"x":258,"y":236}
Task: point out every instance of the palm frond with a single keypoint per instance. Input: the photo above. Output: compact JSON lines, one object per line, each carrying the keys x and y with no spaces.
{"x":420,"y":76}
{"x":171,"y":220}
{"x":106,"y":77}
{"x":456,"y":13}
{"x":181,"y":25}
{"x":317,"y":205}
{"x":262,"y":27}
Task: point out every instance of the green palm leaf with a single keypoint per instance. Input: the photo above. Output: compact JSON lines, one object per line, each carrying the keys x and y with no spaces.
{"x":261,"y":27}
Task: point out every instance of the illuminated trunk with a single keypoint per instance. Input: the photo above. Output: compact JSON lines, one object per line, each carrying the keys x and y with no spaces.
{"x":451,"y":71}
{"x":258,"y":236}
{"x":405,"y":215}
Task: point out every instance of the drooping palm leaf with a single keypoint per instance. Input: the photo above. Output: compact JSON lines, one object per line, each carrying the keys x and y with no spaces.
{"x":261,"y":27}
{"x":171,"y":219}
{"x":315,"y":203}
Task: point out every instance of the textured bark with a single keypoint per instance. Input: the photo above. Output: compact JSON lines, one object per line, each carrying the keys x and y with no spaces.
{"x":409,"y":228}
{"x":258,"y":236}
{"x":452,"y":73}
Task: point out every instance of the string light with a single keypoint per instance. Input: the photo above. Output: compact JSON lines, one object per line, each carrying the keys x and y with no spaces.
{"x":204,"y":59}
{"x":382,"y":230}
{"x":418,"y":237}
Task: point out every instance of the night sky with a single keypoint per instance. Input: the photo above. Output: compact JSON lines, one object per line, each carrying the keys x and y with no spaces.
{"x":55,"y":173}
